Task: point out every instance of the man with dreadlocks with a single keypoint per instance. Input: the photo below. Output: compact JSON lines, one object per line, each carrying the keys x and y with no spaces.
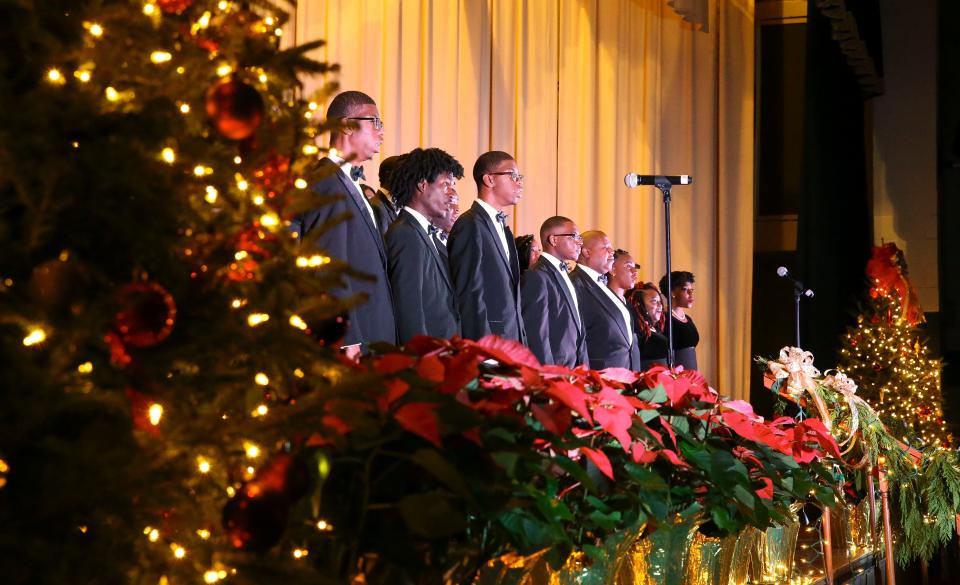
{"x":424,"y":300}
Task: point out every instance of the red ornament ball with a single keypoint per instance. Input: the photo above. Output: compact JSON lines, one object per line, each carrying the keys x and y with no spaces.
{"x":146,"y":316}
{"x":174,"y":6}
{"x":235,"y":109}
{"x":255,"y":522}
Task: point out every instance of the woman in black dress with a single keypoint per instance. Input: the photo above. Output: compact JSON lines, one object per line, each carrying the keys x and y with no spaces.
{"x":685,"y":334}
{"x":648,"y":305}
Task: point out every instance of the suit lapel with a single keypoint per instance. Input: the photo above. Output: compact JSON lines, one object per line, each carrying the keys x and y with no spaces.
{"x":361,"y":209}
{"x":557,"y":278}
{"x":492,"y":230}
{"x":425,"y":238}
{"x":594,"y":289}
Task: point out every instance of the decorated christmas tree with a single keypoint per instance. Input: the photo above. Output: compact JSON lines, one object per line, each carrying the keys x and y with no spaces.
{"x":156,"y":318}
{"x":886,"y":354}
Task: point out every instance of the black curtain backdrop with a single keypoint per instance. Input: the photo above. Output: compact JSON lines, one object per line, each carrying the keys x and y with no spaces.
{"x":834,"y":226}
{"x":948,"y":187}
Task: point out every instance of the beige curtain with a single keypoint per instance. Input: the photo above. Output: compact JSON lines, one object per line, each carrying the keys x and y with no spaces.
{"x":581,"y":92}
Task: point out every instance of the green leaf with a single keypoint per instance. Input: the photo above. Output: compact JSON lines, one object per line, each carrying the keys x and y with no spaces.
{"x":649,"y":415}
{"x":655,"y":395}
{"x":696,"y":455}
{"x":507,"y":460}
{"x":440,"y":468}
{"x":744,"y":496}
{"x":605,"y":521}
{"x":431,"y":515}
{"x":680,"y":424}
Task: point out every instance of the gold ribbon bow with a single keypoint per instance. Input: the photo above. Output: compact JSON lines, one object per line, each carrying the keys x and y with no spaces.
{"x":796,"y":367}
{"x":847,"y":388}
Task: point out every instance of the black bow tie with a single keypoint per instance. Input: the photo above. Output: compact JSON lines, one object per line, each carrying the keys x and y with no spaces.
{"x":432,"y":230}
{"x":502,"y":218}
{"x":602,"y":279}
{"x":356,"y":173}
{"x":563,"y":266}
{"x":443,"y":236}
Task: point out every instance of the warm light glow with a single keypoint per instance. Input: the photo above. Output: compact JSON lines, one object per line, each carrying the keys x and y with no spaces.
{"x":298,"y":373}
{"x":178,"y":551}
{"x":300,"y":184}
{"x":223,"y":5}
{"x":299,"y":553}
{"x":278,"y":32}
{"x":257,"y":318}
{"x":35,"y":336}
{"x":149,"y":9}
{"x":211,"y":577}
{"x":252,"y":450}
{"x":4,"y":467}
{"x":268,"y":21}
{"x":211,"y":194}
{"x":243,"y":185}
{"x":297,"y":322}
{"x":310,"y":149}
{"x":237,"y":160}
{"x":85,"y":368}
{"x":313,"y":106}
{"x":198,"y":170}
{"x":168,"y":155}
{"x":152,"y":533}
{"x":204,"y":21}
{"x":312,"y":261}
{"x":261,"y":379}
{"x":111,"y":94}
{"x":269,"y":220}
{"x":324,"y":526}
{"x":240,"y":255}
{"x":224,"y":70}
{"x":159,"y":57}
{"x":155,"y":413}
{"x":55,"y":77}
{"x":263,"y":78}
{"x":204,"y":534}
{"x":83,"y":76}
{"x":184,"y":108}
{"x":261,"y":410}
{"x":94,"y":29}
{"x":258,"y":199}
{"x":237,"y":303}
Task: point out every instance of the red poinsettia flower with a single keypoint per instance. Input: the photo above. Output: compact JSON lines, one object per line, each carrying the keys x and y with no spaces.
{"x":573,"y":396}
{"x":613,"y":413}
{"x":420,"y":418}
{"x":506,"y":351}
{"x":600,"y":459}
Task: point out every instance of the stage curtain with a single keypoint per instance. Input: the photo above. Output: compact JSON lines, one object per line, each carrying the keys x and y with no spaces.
{"x":581,"y":92}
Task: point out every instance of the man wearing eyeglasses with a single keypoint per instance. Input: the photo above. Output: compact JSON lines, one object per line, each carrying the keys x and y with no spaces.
{"x":551,"y":311}
{"x":483,"y":255}
{"x":611,"y":340}
{"x":356,"y":241}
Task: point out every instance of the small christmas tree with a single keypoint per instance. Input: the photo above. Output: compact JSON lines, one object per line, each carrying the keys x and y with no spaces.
{"x":156,"y":320}
{"x":888,"y":357}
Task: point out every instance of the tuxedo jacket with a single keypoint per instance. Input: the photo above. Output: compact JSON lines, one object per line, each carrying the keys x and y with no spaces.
{"x":358,"y":242}
{"x":487,"y":283}
{"x":609,"y":342}
{"x":423,"y":294}
{"x":385,"y":210}
{"x":554,"y":328}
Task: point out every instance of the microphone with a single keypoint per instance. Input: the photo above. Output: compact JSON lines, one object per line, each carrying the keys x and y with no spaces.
{"x":633,"y":179}
{"x":784,"y":273}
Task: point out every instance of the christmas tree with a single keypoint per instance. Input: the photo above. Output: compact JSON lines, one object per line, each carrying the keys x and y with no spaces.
{"x":887,"y":355}
{"x":156,"y":318}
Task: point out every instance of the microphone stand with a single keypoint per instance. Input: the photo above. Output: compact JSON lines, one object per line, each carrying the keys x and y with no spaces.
{"x":664,"y":186}
{"x":797,"y":293}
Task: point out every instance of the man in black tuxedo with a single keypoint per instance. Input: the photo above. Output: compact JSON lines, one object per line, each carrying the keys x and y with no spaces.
{"x":483,"y":255}
{"x":551,"y":313}
{"x":385,"y":206}
{"x":357,"y":240}
{"x":424,"y":300}
{"x":611,"y":340}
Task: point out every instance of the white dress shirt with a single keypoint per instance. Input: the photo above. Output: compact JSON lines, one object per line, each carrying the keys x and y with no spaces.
{"x":492,"y":212}
{"x":594,"y":275}
{"x":556,"y":262}
{"x":345,"y":167}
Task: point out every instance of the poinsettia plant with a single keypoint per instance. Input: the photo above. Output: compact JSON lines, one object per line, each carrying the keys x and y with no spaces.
{"x":447,"y":453}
